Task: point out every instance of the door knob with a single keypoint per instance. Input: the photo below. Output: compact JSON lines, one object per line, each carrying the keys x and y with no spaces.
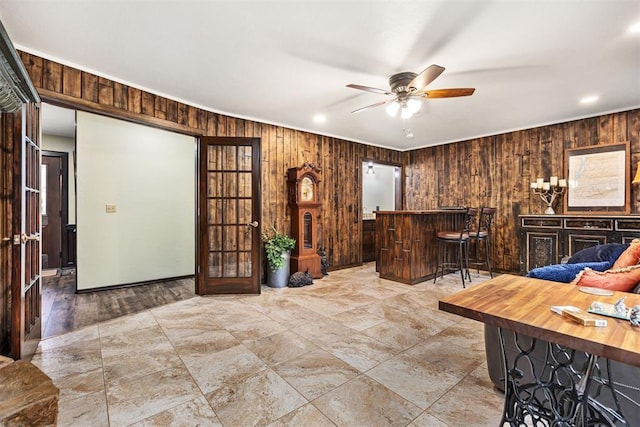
{"x":253,"y":224}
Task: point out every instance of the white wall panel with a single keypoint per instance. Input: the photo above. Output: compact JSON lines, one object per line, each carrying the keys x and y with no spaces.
{"x":149,"y":175}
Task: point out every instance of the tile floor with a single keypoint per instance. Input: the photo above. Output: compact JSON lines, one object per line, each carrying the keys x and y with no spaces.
{"x":350,"y":350}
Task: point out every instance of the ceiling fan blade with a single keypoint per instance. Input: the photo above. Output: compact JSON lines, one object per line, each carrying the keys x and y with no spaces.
{"x":377,"y":104}
{"x":425,"y":77}
{"x":448,"y":93}
{"x":370,"y":89}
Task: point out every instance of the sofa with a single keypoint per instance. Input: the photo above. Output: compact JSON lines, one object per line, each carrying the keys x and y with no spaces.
{"x":612,"y":266}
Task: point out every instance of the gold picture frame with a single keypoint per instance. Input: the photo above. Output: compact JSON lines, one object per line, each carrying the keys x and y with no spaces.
{"x":598,"y":179}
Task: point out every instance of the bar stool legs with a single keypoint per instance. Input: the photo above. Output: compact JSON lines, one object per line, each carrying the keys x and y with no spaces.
{"x":483,"y":236}
{"x":459,"y":238}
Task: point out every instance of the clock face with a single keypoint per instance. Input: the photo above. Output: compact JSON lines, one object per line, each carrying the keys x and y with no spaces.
{"x":306,"y":189}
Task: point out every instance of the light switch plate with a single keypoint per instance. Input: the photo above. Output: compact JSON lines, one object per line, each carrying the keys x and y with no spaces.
{"x":111,"y":208}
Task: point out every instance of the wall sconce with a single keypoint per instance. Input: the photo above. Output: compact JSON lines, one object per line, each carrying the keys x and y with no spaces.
{"x":370,"y":170}
{"x":549,"y":191}
{"x":636,"y":180}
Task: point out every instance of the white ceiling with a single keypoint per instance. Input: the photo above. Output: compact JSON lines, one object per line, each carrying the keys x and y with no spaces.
{"x":283,"y":62}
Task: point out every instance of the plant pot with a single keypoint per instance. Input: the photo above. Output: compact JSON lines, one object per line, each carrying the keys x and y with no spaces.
{"x":280,"y":277}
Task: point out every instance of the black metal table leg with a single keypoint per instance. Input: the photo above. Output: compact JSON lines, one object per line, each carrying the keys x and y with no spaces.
{"x":544,"y":388}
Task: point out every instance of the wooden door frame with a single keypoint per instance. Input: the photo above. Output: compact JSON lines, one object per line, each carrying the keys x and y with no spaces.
{"x":202,"y":218}
{"x":64,"y":199}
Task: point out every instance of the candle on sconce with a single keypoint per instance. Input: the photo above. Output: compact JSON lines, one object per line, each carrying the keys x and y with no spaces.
{"x":563,"y":183}
{"x":545,"y":186}
{"x":553,"y":181}
{"x":539,"y":181}
{"x":534,"y":185}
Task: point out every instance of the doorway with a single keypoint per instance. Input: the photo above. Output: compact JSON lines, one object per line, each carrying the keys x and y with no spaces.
{"x":381,"y":187}
{"x":381,"y":191}
{"x":55,"y":209}
{"x":59,"y":194}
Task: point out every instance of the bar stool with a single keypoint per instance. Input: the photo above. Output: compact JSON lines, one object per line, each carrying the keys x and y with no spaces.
{"x":483,"y":235}
{"x":459,"y":239}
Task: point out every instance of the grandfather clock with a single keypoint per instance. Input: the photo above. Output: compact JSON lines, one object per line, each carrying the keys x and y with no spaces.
{"x":304,"y":201}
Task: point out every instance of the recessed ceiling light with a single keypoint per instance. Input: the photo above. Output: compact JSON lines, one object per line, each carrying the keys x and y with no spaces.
{"x":319,"y":118}
{"x":635,"y":28}
{"x":589,"y":99}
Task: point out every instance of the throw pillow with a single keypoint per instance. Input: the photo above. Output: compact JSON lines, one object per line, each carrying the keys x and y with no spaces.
{"x":630,"y":256}
{"x":622,"y":279}
{"x":566,"y":272}
{"x":607,"y":252}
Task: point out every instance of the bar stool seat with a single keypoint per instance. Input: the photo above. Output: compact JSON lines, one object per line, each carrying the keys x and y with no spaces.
{"x":482,"y":236}
{"x":460,"y":240}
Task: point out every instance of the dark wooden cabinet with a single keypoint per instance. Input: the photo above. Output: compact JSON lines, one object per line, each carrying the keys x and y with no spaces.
{"x":547,"y":239}
{"x":368,"y":240}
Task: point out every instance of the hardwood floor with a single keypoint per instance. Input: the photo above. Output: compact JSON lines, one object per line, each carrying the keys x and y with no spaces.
{"x":64,"y":311}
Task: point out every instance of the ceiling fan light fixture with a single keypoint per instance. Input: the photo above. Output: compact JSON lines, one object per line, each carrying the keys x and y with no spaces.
{"x":406,"y":113}
{"x":414,"y":105}
{"x":392,"y":109}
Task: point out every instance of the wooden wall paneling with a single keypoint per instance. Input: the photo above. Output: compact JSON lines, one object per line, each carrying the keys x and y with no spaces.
{"x":511,"y":187}
{"x":221,"y":124}
{"x":89,"y":87}
{"x":134,"y":100}
{"x":282,"y":215}
{"x":487,"y":170}
{"x":120,"y":96}
{"x":72,"y":82}
{"x":329,"y":205}
{"x":52,"y":76}
{"x":633,"y":136}
{"x":148,"y":104}
{"x":172,"y":113}
{"x":290,"y":140}
{"x":633,"y":131}
{"x":240,"y":123}
{"x":605,"y":130}
{"x":231,"y":123}
{"x":105,"y":91}
{"x":271,"y":143}
{"x":34,"y":66}
{"x":192,"y":117}
{"x":342,"y":190}
{"x":337,"y":154}
{"x":210,"y":126}
{"x":354,"y":179}
{"x":160,"y":107}
{"x":183,"y":114}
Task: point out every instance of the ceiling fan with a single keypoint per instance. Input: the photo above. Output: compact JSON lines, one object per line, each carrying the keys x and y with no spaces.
{"x":408,"y":88}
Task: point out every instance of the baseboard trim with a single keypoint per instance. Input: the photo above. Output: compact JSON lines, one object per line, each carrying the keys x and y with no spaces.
{"x":133,"y":284}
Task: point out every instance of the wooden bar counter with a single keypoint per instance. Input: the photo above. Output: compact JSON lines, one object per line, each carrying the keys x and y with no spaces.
{"x":407,"y":248}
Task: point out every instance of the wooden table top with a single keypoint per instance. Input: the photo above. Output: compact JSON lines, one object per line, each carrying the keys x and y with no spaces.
{"x":523,"y":305}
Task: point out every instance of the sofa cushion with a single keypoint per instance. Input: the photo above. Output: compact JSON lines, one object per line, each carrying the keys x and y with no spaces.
{"x":622,"y":279}
{"x":565,"y":273}
{"x":630,"y":256}
{"x":608,"y":252}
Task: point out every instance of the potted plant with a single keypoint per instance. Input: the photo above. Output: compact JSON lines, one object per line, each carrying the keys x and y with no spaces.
{"x":278,"y":248}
